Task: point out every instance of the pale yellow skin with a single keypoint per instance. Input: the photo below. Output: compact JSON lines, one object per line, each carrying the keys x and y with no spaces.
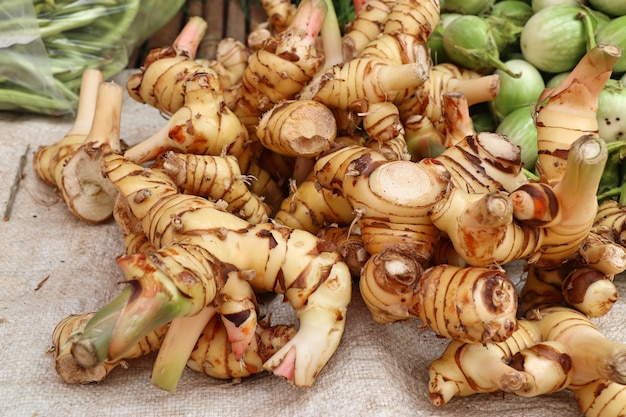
{"x":457,"y":121}
{"x":212,"y":354}
{"x":611,"y":220}
{"x":512,"y":240}
{"x":484,"y":162}
{"x":481,"y":368}
{"x":309,"y":207}
{"x":478,"y":243}
{"x":382,"y":123}
{"x":297,"y":128}
{"x":236,"y":298}
{"x":381,"y":82}
{"x":230,"y":61}
{"x":478,"y":304}
{"x":279,"y":13}
{"x":284,"y":64}
{"x":161,"y":84}
{"x":445,"y":78}
{"x":216,"y":178}
{"x":79,"y":178}
{"x":365,"y":27}
{"x":599,"y":293}
{"x":575,"y":284}
{"x":202,"y":125}
{"x":391,"y":198}
{"x":593,"y":355}
{"x":72,"y":373}
{"x":466,"y":369}
{"x":565,"y":113}
{"x":292,"y":262}
{"x":601,"y":398}
{"x":264,"y":185}
{"x":423,"y":112}
{"x":413,"y":20}
{"x":416,"y":18}
{"x":604,"y":254}
{"x":48,"y":161}
{"x":161,"y":80}
{"x":391,"y":67}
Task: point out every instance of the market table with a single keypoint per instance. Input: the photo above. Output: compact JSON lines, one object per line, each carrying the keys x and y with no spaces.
{"x":53,"y":265}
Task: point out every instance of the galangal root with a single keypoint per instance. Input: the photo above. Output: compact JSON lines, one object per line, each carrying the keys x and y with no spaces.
{"x":212,"y":354}
{"x":197,"y":243}
{"x":553,"y":349}
{"x":301,"y":163}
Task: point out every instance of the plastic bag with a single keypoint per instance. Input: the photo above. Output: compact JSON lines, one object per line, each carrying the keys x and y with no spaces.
{"x":46,"y":45}
{"x":26,"y":80}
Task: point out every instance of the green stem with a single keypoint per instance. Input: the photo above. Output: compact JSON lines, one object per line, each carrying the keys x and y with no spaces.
{"x":76,"y":20}
{"x":67,"y":7}
{"x":16,"y":99}
{"x":611,"y":177}
{"x":530,"y":175}
{"x":487,"y":57}
{"x":619,"y":192}
{"x":588,"y":25}
{"x":149,"y":301}
{"x":67,"y":92}
{"x":504,"y":31}
{"x":622,"y":197}
{"x":613,"y":192}
{"x":616,"y":145}
{"x":91,"y":346}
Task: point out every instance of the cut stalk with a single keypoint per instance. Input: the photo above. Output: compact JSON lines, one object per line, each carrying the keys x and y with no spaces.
{"x":65,"y":363}
{"x":536,"y":204}
{"x":48,"y":161}
{"x":477,"y":90}
{"x":388,"y":284}
{"x":494,"y":210}
{"x":577,"y":195}
{"x":90,"y":346}
{"x":457,"y":119}
{"x":188,"y":40}
{"x":87,"y":193}
{"x":401,"y":77}
{"x":297,"y":128}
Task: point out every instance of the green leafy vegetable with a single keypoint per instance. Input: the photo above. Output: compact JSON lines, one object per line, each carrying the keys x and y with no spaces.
{"x":46,"y":45}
